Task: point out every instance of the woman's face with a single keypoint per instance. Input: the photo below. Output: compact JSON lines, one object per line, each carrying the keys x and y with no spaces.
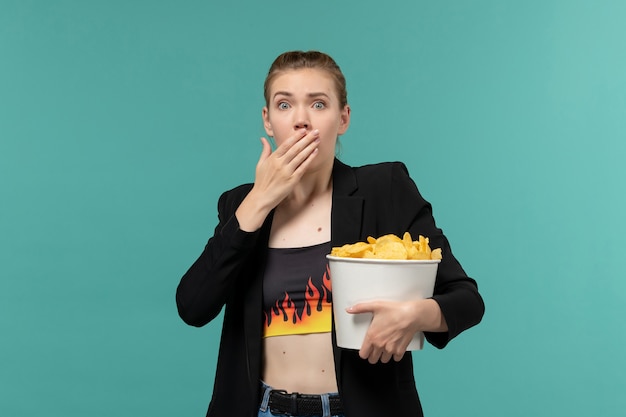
{"x":306,"y":98}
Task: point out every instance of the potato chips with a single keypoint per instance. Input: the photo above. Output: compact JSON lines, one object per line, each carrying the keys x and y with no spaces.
{"x":389,"y":247}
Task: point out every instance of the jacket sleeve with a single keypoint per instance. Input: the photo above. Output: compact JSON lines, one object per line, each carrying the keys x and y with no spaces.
{"x":213,"y":277}
{"x":457,"y":294}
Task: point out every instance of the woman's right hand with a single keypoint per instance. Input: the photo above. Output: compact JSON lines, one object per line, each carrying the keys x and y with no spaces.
{"x":277,"y":173}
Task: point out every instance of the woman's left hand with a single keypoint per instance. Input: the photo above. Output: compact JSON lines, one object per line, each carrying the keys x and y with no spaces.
{"x":394,"y":324}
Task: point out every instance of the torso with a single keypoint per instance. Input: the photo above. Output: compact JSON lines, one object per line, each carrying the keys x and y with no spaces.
{"x":300,"y":363}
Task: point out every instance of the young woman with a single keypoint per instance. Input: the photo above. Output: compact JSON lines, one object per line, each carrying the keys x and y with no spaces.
{"x":266,"y":265}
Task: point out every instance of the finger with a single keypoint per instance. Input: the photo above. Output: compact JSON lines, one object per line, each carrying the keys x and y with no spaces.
{"x":385,"y":357}
{"x":266,"y":150}
{"x":366,"y":349}
{"x":290,"y":142}
{"x":301,"y":161}
{"x":374,"y":356}
{"x":370,"y":351}
{"x":398,"y":356}
{"x":303,"y":150}
{"x":300,"y":143}
{"x":366,"y":307}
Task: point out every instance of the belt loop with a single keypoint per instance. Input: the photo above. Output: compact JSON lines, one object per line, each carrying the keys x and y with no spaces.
{"x":325,"y":405}
{"x":266,"y":397}
{"x":294,"y":404}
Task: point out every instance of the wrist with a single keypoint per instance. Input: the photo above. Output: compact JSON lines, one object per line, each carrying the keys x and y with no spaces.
{"x":436,"y":321}
{"x":252,"y":212}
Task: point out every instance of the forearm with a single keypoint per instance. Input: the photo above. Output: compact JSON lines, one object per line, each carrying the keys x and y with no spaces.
{"x":211,"y":279}
{"x":462,"y":307}
{"x":430,"y":317}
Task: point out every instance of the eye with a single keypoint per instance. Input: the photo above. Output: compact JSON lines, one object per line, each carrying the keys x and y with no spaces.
{"x":319,"y":105}
{"x":283,"y":105}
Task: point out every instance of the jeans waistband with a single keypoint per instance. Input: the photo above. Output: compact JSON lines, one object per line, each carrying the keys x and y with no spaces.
{"x":296,"y":404}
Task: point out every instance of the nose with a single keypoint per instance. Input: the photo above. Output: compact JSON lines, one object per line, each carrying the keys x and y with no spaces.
{"x":301,"y":125}
{"x":301,"y":120}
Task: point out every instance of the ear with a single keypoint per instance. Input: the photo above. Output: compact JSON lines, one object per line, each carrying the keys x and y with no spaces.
{"x":345,"y":120}
{"x":266,"y":122}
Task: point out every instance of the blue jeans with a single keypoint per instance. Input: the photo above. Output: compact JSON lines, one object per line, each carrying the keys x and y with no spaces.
{"x":264,"y":409}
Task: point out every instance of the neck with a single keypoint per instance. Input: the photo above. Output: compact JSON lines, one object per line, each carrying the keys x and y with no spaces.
{"x":311,"y":186}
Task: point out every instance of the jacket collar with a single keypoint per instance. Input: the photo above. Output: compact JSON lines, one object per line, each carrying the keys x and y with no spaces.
{"x":347,"y":208}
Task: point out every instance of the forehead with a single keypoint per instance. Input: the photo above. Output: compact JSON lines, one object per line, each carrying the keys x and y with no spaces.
{"x":303,"y":81}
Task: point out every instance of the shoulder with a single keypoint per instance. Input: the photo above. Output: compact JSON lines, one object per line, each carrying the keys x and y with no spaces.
{"x":231,"y":199}
{"x":242,"y":189}
{"x":382,"y":184}
{"x":381,"y":174}
{"x":381,"y":170}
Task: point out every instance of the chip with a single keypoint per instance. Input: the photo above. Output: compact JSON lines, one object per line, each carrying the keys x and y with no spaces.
{"x":389,"y":246}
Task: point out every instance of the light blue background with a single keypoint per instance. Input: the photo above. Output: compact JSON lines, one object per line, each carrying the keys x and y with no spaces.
{"x":121,"y":122}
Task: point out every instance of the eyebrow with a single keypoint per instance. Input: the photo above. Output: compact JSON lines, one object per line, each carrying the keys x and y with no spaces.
{"x":288,"y":94}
